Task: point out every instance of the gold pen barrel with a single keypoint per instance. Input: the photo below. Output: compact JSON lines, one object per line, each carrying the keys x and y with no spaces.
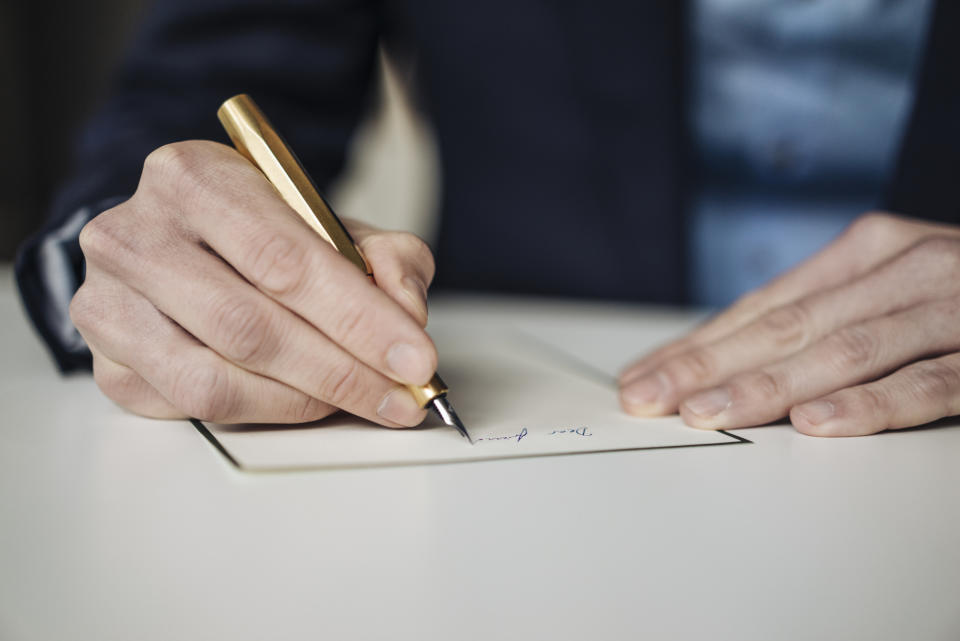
{"x":254,"y":137}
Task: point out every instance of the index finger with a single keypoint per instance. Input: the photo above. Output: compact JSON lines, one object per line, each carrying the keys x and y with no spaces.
{"x":232,"y":207}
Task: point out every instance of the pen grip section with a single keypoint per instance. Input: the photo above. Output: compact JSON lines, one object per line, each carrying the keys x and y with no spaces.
{"x":425,"y":394}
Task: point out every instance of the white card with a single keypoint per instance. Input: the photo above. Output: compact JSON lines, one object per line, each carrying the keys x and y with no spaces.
{"x":517,"y":397}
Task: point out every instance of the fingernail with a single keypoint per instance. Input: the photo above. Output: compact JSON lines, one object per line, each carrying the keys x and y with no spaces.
{"x":816,"y":412}
{"x":710,"y":403}
{"x":399,"y":407}
{"x":408,"y":364}
{"x":417,"y":292}
{"x":645,"y":391}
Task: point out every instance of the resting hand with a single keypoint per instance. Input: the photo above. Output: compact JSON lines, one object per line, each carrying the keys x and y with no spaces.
{"x":860,"y":338}
{"x":206,"y":296}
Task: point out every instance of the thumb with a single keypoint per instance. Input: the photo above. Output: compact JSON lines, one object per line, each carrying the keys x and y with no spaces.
{"x":402,"y":265}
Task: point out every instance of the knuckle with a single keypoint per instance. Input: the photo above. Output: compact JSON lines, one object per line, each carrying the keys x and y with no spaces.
{"x":852,"y":348}
{"x":870,"y":401}
{"x":172,"y":160}
{"x":675,"y":377}
{"x":350,"y":321}
{"x":340,"y":383}
{"x":380,"y":242}
{"x":413,"y":246}
{"x":402,"y":247}
{"x":118,"y":240}
{"x":787,"y":327}
{"x":243,"y":329}
{"x":202,"y":391}
{"x":875,"y":227}
{"x":85,"y":312}
{"x":308,"y":408}
{"x":689,"y":369}
{"x":752,"y":299}
{"x":764,"y":384}
{"x":941,"y":252}
{"x":121,"y":385}
{"x":277,"y":265}
{"x":91,"y":237}
{"x":179,"y":167}
{"x":934,"y":381}
{"x":103,"y":240}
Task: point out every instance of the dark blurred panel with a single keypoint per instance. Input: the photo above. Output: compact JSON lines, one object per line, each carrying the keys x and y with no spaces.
{"x":55,"y":61}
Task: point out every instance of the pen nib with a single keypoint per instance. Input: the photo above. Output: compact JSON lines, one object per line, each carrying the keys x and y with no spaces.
{"x":442,"y":407}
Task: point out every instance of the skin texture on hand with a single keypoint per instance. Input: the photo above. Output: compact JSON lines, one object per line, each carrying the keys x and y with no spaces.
{"x":861,"y":338}
{"x":206,"y":296}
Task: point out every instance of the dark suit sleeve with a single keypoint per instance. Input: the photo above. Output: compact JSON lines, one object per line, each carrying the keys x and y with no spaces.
{"x":309,"y":65}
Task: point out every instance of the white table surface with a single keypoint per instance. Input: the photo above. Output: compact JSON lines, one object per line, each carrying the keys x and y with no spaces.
{"x":118,"y":527}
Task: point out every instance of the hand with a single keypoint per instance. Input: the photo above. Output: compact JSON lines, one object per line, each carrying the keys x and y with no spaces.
{"x":206,"y":296}
{"x":861,"y":338}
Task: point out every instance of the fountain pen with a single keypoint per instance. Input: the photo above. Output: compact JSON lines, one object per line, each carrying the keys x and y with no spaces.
{"x":258,"y":141}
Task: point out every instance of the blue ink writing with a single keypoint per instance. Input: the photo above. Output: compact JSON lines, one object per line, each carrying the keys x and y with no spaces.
{"x":518,"y":436}
{"x":579,"y":431}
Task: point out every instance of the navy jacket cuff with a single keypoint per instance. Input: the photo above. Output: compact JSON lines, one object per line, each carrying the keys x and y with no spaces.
{"x":49,"y":270}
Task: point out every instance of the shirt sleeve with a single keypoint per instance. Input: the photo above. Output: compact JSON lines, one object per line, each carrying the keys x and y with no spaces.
{"x":308,"y":63}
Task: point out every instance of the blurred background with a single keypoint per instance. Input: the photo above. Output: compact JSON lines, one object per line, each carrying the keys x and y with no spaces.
{"x":56,"y":59}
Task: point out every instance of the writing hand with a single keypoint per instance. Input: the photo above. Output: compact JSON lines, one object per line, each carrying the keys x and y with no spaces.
{"x":206,"y":296}
{"x":860,"y":338}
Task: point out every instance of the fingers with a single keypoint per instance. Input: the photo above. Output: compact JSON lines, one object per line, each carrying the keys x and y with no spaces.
{"x":788,"y":329}
{"x":252,"y":331}
{"x":124,"y":327}
{"x":845,"y":358}
{"x":129,"y":390}
{"x":868,"y":242}
{"x":917,"y":394}
{"x":255,"y":232}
